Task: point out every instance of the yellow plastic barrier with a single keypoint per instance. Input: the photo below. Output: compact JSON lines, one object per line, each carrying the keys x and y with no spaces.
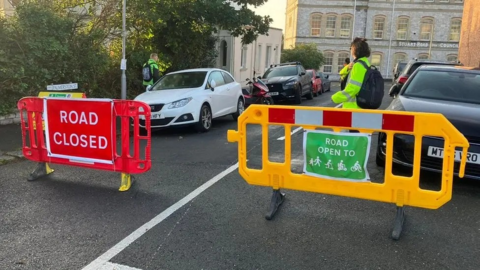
{"x":400,"y":190}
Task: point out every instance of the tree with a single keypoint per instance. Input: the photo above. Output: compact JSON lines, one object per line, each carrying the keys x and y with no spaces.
{"x":307,"y":54}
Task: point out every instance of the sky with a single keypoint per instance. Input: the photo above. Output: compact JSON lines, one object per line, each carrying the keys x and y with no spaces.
{"x":275,"y":9}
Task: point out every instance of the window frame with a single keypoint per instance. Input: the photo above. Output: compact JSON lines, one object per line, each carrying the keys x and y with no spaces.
{"x":382,"y":31}
{"x":432,"y":27}
{"x":407,"y":30}
{"x":312,"y":15}
{"x":451,"y":28}
{"x":327,"y":29}
{"x":350,"y":18}
{"x":331,"y":64}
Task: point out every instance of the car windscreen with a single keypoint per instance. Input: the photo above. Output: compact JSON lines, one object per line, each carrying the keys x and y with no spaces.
{"x":457,"y":86}
{"x":181,"y":80}
{"x":281,"y":72}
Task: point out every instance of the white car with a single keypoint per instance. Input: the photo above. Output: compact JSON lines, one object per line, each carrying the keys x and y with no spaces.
{"x":193,"y":97}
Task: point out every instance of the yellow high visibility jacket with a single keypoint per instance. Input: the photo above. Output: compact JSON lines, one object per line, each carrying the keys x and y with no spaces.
{"x":344,"y":72}
{"x":355,"y":80}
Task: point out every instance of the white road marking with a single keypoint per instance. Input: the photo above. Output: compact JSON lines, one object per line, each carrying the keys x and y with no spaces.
{"x":115,"y":250}
{"x":293,"y":132}
{"x":115,"y":266}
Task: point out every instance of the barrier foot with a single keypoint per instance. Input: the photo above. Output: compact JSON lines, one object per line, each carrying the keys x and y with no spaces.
{"x":43,"y":169}
{"x":126,"y":182}
{"x":398,"y":224}
{"x":277,"y":199}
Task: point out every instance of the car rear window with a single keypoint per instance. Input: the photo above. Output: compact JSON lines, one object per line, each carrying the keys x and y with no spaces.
{"x":457,"y":86}
{"x":281,"y":72}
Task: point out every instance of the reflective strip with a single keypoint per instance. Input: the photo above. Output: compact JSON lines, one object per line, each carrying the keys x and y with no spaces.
{"x":309,"y":117}
{"x":367,"y":120}
{"x":346,"y":94}
{"x":359,"y":84}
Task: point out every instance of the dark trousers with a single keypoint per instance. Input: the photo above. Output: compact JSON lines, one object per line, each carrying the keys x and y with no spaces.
{"x":343,"y":84}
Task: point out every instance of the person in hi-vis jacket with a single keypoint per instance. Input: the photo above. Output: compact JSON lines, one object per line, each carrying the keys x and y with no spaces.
{"x":360,"y":51}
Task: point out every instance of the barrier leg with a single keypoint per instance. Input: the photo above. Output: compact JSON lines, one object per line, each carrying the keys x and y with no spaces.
{"x":126,"y":182}
{"x":277,"y":199}
{"x":43,"y":169}
{"x":398,"y":224}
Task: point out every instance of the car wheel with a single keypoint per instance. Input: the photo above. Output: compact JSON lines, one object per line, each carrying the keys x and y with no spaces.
{"x":267,"y":101}
{"x":309,"y":96}
{"x":316,"y":93}
{"x":298,"y":96}
{"x":240,"y":109}
{"x":205,"y":122}
{"x":379,"y":160}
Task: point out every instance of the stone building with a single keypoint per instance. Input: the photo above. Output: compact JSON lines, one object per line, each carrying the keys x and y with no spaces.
{"x":469,"y":53}
{"x":397,"y":30}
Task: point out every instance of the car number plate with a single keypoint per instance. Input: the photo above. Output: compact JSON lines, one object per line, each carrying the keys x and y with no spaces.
{"x":438,"y":153}
{"x":273,"y":93}
{"x":157,"y":116}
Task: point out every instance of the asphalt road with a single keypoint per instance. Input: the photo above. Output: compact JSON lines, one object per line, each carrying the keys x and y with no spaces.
{"x":76,"y":217}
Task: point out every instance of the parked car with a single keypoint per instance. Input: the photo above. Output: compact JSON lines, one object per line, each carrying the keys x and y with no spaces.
{"x":316,"y":82}
{"x":288,"y":81}
{"x":326,"y":83}
{"x":397,"y":70}
{"x":409,"y":69}
{"x":193,"y":97}
{"x":453,"y":91}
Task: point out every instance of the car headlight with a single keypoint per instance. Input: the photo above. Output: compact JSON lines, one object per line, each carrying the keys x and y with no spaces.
{"x":179,"y":103}
{"x":290,"y":83}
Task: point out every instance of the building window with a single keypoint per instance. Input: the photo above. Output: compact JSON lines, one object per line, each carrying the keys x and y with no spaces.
{"x":455,"y":26}
{"x":259,"y":57}
{"x":378,"y":27}
{"x":244,"y":57}
{"x":402,"y":28}
{"x":341,"y":59}
{"x":331,"y":25}
{"x":445,"y":1}
{"x":345,"y":26}
{"x":377,"y":60}
{"x":429,"y":0}
{"x":452,"y":58}
{"x":315,"y":24}
{"x":422,"y":56}
{"x":224,"y":49}
{"x":327,"y":67}
{"x":426,"y":28}
{"x":458,"y":1}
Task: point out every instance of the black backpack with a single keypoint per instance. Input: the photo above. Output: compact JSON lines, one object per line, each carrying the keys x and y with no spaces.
{"x":147,"y":72}
{"x":372,"y":90}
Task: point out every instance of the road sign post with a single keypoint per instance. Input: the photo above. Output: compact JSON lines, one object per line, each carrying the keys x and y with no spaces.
{"x":83,"y":133}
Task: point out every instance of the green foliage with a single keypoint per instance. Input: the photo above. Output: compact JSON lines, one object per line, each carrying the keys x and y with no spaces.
{"x":62,"y":41}
{"x":33,"y":56}
{"x":307,"y":54}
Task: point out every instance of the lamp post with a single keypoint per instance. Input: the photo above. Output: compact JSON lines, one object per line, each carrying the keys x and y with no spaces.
{"x":391,"y":36}
{"x":123,"y":65}
{"x":431,"y":39}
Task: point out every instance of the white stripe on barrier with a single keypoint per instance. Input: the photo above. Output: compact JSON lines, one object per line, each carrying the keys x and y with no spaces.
{"x":367,"y":120}
{"x":308,"y":117}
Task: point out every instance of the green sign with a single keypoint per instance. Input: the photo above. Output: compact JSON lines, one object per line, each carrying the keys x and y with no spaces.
{"x":60,"y":95}
{"x":339,"y":156}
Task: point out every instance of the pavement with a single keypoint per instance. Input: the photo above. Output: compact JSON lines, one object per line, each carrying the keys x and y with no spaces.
{"x":193,"y":210}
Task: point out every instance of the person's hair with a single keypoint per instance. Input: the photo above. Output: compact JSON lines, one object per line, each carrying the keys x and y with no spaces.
{"x":153,"y":55}
{"x":361,"y":47}
{"x":347,"y":60}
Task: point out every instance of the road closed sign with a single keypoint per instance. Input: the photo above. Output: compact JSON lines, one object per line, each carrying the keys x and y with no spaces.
{"x":80,"y":129}
{"x":338,"y":156}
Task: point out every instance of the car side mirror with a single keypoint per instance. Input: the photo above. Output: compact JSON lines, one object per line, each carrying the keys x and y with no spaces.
{"x":213,"y":84}
{"x":149,"y":88}
{"x":247,"y":79}
{"x":317,"y":77}
{"x":326,"y":77}
{"x":302,"y":73}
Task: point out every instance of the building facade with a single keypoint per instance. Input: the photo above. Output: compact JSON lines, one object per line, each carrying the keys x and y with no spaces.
{"x":469,"y":53}
{"x":396,"y":30}
{"x":243,"y":61}
{"x":6,"y":8}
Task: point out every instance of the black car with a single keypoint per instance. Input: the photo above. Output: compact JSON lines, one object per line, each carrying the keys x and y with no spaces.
{"x":288,"y":82}
{"x":453,"y":91}
{"x":408,"y":70}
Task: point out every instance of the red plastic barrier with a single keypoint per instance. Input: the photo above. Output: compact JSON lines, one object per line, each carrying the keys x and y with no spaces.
{"x":34,"y":139}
